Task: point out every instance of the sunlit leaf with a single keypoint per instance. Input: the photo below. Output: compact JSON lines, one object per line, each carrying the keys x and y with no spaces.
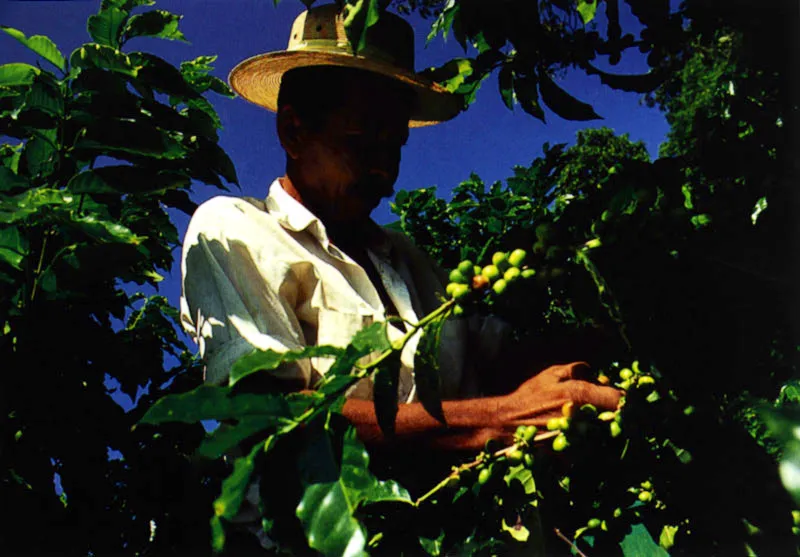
{"x":41,"y":45}
{"x":234,"y":486}
{"x":444,"y":21}
{"x":265,"y":360}
{"x":229,"y":436}
{"x":334,"y":492}
{"x":17,"y":74}
{"x":587,"y":9}
{"x":667,"y":537}
{"x":518,"y":531}
{"x":104,"y":58}
{"x":104,"y":231}
{"x":209,"y":402}
{"x":106,"y":25}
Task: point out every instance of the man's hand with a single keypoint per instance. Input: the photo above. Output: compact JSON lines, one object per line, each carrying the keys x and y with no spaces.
{"x":541,"y":397}
{"x":471,"y":422}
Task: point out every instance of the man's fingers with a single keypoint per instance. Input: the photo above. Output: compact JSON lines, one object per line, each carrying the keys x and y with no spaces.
{"x":604,"y":398}
{"x":566,"y":372}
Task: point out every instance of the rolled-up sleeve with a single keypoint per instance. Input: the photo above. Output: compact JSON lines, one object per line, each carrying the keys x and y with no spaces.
{"x":237,"y":295}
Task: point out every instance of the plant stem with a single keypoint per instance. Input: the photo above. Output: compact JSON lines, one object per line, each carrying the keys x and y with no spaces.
{"x":574,"y":547}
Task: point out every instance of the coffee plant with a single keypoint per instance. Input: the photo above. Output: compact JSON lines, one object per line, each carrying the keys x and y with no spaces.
{"x":671,"y":277}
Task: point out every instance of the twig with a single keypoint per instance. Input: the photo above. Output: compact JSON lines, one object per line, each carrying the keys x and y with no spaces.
{"x":572,"y":545}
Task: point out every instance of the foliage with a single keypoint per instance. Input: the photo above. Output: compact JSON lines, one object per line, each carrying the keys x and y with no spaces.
{"x":99,"y":145}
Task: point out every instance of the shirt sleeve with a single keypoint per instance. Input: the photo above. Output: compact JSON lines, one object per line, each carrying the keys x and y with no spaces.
{"x":238,"y":294}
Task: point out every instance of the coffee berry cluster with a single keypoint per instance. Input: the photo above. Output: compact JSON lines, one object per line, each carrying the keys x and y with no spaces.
{"x":493,"y":279}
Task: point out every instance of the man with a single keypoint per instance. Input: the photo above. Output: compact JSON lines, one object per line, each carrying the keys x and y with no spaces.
{"x":308,"y":266}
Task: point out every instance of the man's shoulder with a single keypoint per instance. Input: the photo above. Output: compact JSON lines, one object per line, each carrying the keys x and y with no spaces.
{"x":227,"y":215}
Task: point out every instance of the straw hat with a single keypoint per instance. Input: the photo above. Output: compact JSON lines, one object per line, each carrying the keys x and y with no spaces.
{"x":318,"y":39}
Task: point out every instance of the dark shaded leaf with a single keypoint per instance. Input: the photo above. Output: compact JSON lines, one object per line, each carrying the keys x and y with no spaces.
{"x":562,"y":103}
{"x":426,"y":370}
{"x":20,"y":207}
{"x":638,"y":83}
{"x":505,"y":80}
{"x":13,"y":247}
{"x":528,"y":97}
{"x":360,"y":15}
{"x":41,"y":45}
{"x":117,"y":137}
{"x":10,"y":181}
{"x":126,"y":179}
{"x":387,"y":380}
{"x":234,"y":486}
{"x":229,"y":436}
{"x":40,"y":154}
{"x":154,"y":23}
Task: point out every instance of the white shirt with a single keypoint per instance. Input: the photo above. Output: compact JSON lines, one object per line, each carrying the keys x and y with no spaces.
{"x":271,"y":279}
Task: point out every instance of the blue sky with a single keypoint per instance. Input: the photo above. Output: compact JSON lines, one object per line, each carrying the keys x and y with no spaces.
{"x":487,"y":139}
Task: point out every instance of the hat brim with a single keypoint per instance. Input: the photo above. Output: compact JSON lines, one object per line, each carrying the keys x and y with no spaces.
{"x":258,"y":80}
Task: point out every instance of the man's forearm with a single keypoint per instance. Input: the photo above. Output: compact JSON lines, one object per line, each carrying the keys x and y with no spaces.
{"x":469,"y":423}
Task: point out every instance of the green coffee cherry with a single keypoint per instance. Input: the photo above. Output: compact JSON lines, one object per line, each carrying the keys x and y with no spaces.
{"x":458,"y":311}
{"x":460,"y":291}
{"x":560,"y":443}
{"x":528,"y":460}
{"x":529,"y":433}
{"x":645,"y":496}
{"x":500,"y":286}
{"x":615,"y":429}
{"x":553,"y":424}
{"x":617,"y":512}
{"x":515,"y":456}
{"x":484,"y":476}
{"x":625,"y":374}
{"x":476,"y":269}
{"x":517,"y":257}
{"x":466,"y":268}
{"x":499,"y":257}
{"x":491,"y":272}
{"x":511,"y":274}
{"x":458,"y":277}
{"x":606,"y":416}
{"x":528,"y":273}
{"x":647,"y":484}
{"x":593,"y":523}
{"x":645,"y":380}
{"x":539,"y":247}
{"x":635,"y":366}
{"x":451,"y":288}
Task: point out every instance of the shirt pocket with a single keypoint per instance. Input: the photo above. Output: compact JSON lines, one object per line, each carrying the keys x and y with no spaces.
{"x":337,"y":328}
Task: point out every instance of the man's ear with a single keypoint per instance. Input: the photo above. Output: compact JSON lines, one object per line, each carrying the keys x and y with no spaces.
{"x":291,"y":131}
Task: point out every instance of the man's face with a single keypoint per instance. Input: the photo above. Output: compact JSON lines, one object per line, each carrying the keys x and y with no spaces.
{"x":345,"y":168}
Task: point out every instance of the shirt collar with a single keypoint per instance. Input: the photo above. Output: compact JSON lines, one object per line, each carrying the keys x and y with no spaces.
{"x":293,"y":216}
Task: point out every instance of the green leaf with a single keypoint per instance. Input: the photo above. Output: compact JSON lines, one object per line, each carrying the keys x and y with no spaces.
{"x":104,"y":58}
{"x":41,"y":45}
{"x":426,"y":370}
{"x":17,"y":74}
{"x":105,"y":26}
{"x":451,"y":75}
{"x":327,"y":508}
{"x":587,"y":9}
{"x":39,"y":157}
{"x":505,"y":80}
{"x":20,"y":207}
{"x":562,"y":103}
{"x":360,"y":15}
{"x":104,"y":231}
{"x":522,"y":475}
{"x":45,"y":97}
{"x":9,"y":180}
{"x":228,"y":436}
{"x":155,"y":23}
{"x":518,"y":531}
{"x":527,"y":95}
{"x":13,"y":247}
{"x":126,"y":4}
{"x":444,"y":21}
{"x":639,"y":543}
{"x":387,"y":380}
{"x":372,"y":338}
{"x":126,"y":179}
{"x":208,"y":402}
{"x":265,"y":360}
{"x":667,"y":537}
{"x":234,"y":486}
{"x":116,"y":138}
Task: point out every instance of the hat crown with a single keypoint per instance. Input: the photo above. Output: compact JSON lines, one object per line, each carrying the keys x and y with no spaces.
{"x":321,"y":29}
